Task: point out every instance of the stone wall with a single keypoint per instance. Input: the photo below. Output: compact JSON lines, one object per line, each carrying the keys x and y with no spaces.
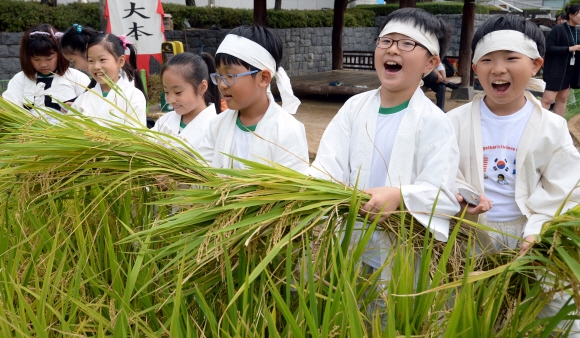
{"x":9,"y":51}
{"x":306,"y":50}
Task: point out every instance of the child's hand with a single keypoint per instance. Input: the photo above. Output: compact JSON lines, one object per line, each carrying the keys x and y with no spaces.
{"x":527,"y":244}
{"x":388,"y":197}
{"x":64,"y":110}
{"x":483,"y":206}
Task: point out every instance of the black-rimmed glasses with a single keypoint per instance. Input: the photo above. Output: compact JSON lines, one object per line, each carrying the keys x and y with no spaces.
{"x":228,"y":79}
{"x":406,"y":45}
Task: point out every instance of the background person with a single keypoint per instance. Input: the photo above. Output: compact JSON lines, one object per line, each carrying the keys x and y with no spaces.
{"x":562,"y":62}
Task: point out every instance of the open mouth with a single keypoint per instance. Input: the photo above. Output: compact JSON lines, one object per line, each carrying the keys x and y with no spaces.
{"x":392,"y":67}
{"x":500,"y":86}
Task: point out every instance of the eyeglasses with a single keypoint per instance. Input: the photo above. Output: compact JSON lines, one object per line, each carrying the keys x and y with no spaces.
{"x":406,"y":45}
{"x":228,"y":79}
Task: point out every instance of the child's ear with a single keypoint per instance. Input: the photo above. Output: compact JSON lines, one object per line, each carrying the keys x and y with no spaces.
{"x":265,"y":78}
{"x":121,"y":60}
{"x":202,"y":88}
{"x":432,"y":63}
{"x":474,"y":67}
{"x":537,"y":64}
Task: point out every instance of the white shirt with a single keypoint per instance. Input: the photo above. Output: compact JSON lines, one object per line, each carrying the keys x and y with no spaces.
{"x":193,"y":133}
{"x":130,"y":101}
{"x":241,"y":142}
{"x":388,"y":121}
{"x":500,"y":138}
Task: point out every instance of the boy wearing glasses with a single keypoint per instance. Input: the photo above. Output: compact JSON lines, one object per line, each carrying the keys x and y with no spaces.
{"x":255,"y":127}
{"x":394,"y":140}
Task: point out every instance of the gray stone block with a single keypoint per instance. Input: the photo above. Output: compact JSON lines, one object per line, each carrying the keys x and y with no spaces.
{"x":14,"y":51}
{"x":193,"y":33}
{"x":10,"y":66}
{"x":11,"y":38}
{"x":4,"y":51}
{"x":5,"y":77}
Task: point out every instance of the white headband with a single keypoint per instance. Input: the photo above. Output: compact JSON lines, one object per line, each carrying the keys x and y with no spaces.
{"x":427,"y":39}
{"x":257,"y":56}
{"x":506,"y":40}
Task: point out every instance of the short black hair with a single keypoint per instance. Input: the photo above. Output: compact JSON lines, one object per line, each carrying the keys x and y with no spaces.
{"x":510,"y":22}
{"x":263,"y":36}
{"x":572,"y":10}
{"x":426,"y":22}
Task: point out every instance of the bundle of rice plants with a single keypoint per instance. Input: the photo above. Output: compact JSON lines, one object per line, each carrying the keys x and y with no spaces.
{"x":92,"y":246}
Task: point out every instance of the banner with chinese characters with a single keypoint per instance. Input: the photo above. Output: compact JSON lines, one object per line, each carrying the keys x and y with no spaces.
{"x":142,"y":22}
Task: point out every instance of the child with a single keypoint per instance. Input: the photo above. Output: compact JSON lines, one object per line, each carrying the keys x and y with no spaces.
{"x":106,"y":59}
{"x":74,"y":45}
{"x":254,"y":127}
{"x":193,"y":96}
{"x":45,"y":74}
{"x":394,"y":140}
{"x":519,"y":156}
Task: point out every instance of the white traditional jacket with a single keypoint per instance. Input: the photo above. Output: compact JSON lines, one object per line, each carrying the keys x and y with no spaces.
{"x":278,"y":138}
{"x":132,"y":104}
{"x":21,"y":89}
{"x":423,"y":161}
{"x":194,"y":131}
{"x":547,"y":163}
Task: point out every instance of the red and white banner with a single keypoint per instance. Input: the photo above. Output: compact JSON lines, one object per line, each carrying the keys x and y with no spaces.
{"x":142,"y":22}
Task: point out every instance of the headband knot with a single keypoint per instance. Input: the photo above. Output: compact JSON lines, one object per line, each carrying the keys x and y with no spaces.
{"x":257,"y":56}
{"x":124,"y":41}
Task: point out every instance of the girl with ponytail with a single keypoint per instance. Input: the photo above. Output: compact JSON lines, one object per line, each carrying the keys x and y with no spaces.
{"x":114,"y":74}
{"x":194,"y":97}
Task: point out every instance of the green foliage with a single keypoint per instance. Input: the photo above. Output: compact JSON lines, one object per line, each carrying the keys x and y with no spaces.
{"x":431,"y":7}
{"x":205,"y":17}
{"x":18,"y":16}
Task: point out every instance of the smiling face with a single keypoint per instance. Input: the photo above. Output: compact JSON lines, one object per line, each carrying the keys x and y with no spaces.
{"x":78,"y":60}
{"x":399,"y":71}
{"x":45,"y":64}
{"x":181,"y":94}
{"x":101,"y":63}
{"x":504,"y":76}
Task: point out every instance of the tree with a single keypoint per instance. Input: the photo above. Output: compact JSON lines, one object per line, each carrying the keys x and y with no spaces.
{"x":407,"y":3}
{"x":190,"y":3}
{"x":337,"y":28}
{"x":51,"y":3}
{"x":260,"y":17}
{"x":278,"y":5}
{"x":467,"y":27}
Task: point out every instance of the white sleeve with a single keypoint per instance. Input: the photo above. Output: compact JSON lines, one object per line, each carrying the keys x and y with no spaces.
{"x":207,"y":144}
{"x":139,"y":108}
{"x":559,"y":180}
{"x":15,"y":92}
{"x":294,"y":151}
{"x":332,"y":158}
{"x":81,"y":82}
{"x":437,"y":156}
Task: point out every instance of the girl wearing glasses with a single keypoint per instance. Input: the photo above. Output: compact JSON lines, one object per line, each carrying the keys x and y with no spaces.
{"x":254,"y":127}
{"x":195,"y":99}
